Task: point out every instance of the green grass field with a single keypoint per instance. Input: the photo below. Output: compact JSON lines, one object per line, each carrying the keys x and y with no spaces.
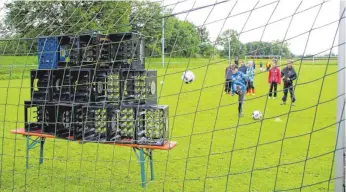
{"x":215,"y":150}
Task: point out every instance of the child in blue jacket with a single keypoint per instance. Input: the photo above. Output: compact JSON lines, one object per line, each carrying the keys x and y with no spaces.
{"x":238,"y":82}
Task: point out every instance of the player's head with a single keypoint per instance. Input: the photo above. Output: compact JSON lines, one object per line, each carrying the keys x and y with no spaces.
{"x":290,"y":63}
{"x":234,"y":68}
{"x":250,"y":63}
{"x":275,"y":62}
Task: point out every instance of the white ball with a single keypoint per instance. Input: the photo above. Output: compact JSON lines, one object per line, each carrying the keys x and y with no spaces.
{"x":256,"y":115}
{"x":188,"y":77}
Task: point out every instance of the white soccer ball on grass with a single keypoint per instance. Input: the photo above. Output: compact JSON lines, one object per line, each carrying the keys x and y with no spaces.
{"x":188,"y":77}
{"x":256,"y":115}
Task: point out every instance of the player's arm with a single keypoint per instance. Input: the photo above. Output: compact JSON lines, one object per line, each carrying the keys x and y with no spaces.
{"x":294,"y":75}
{"x":232,"y":90}
{"x":248,"y":73}
{"x":282,"y":74}
{"x":279,"y":76}
{"x":231,"y":84}
{"x":245,"y":77}
{"x":269,"y":75}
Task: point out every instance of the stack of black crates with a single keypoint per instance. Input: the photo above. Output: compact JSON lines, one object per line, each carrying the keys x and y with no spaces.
{"x":94,"y":87}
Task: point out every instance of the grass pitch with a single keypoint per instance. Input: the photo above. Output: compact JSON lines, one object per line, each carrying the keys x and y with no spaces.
{"x":291,"y":147}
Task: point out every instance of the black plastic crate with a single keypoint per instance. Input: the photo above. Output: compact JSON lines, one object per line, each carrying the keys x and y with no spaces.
{"x":40,"y":85}
{"x":153,"y":125}
{"x":39,"y":116}
{"x":61,"y":85}
{"x":81,"y":79}
{"x":70,"y":54}
{"x":113,"y":85}
{"x":123,"y":125}
{"x":139,"y":86}
{"x":118,"y":65}
{"x":68,"y":120}
{"x":95,"y":48}
{"x":98,"y":121}
{"x":129,"y":64}
{"x":128,"y":48}
{"x":95,"y":86}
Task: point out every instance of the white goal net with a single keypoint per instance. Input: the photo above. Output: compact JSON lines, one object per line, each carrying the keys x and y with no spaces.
{"x":101,"y":88}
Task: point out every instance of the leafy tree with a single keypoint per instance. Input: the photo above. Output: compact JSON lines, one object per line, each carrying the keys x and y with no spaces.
{"x":268,"y":48}
{"x":237,"y":48}
{"x":146,"y":19}
{"x":206,"y":50}
{"x":32,"y":18}
{"x":181,"y":37}
{"x":203,"y":34}
{"x":43,"y":18}
{"x":185,"y":40}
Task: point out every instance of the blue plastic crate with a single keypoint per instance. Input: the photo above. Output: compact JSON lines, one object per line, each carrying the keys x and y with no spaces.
{"x":48,"y":54}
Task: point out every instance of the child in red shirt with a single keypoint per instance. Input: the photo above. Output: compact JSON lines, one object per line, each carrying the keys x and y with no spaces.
{"x":274,"y":78}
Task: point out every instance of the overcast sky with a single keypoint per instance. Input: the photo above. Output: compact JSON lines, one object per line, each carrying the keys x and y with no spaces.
{"x":220,"y":17}
{"x":320,"y":40}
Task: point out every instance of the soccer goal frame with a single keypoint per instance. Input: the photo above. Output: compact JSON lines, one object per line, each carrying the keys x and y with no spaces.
{"x":264,"y":56}
{"x":341,"y":104}
{"x":322,"y":58}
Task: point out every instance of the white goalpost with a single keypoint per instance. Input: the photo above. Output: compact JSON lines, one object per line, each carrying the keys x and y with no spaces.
{"x":316,"y":58}
{"x":340,"y":107}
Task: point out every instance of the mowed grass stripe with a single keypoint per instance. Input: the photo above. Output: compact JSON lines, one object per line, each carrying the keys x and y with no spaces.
{"x":121,"y":171}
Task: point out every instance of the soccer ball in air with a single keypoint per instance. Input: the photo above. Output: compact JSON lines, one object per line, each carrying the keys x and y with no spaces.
{"x":188,"y":77}
{"x":256,"y":115}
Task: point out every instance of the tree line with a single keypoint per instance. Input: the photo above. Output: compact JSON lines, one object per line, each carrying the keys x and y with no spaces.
{"x":30,"y":19}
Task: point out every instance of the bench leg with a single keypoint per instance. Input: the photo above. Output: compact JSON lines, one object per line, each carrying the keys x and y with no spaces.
{"x":41,"y":149}
{"x":141,"y":158}
{"x":31,"y":145}
{"x":27,"y":148}
{"x":142,"y":162}
{"x":150,"y":153}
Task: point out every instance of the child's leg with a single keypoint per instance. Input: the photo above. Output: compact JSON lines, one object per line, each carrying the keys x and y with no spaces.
{"x":234,"y":87}
{"x":284,"y":98}
{"x":240,"y":105}
{"x":252,"y":87}
{"x":275,"y":89}
{"x":271,"y":89}
{"x":229,"y":86}
{"x":291,"y":89}
{"x":248,"y":89}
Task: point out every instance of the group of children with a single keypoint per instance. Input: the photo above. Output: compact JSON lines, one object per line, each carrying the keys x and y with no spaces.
{"x":248,"y":70}
{"x":241,"y":80}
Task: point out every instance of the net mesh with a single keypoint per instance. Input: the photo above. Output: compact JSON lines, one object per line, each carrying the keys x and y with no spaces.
{"x":90,"y":75}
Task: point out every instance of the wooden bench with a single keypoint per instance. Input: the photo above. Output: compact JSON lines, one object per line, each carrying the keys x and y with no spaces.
{"x":142,"y":151}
